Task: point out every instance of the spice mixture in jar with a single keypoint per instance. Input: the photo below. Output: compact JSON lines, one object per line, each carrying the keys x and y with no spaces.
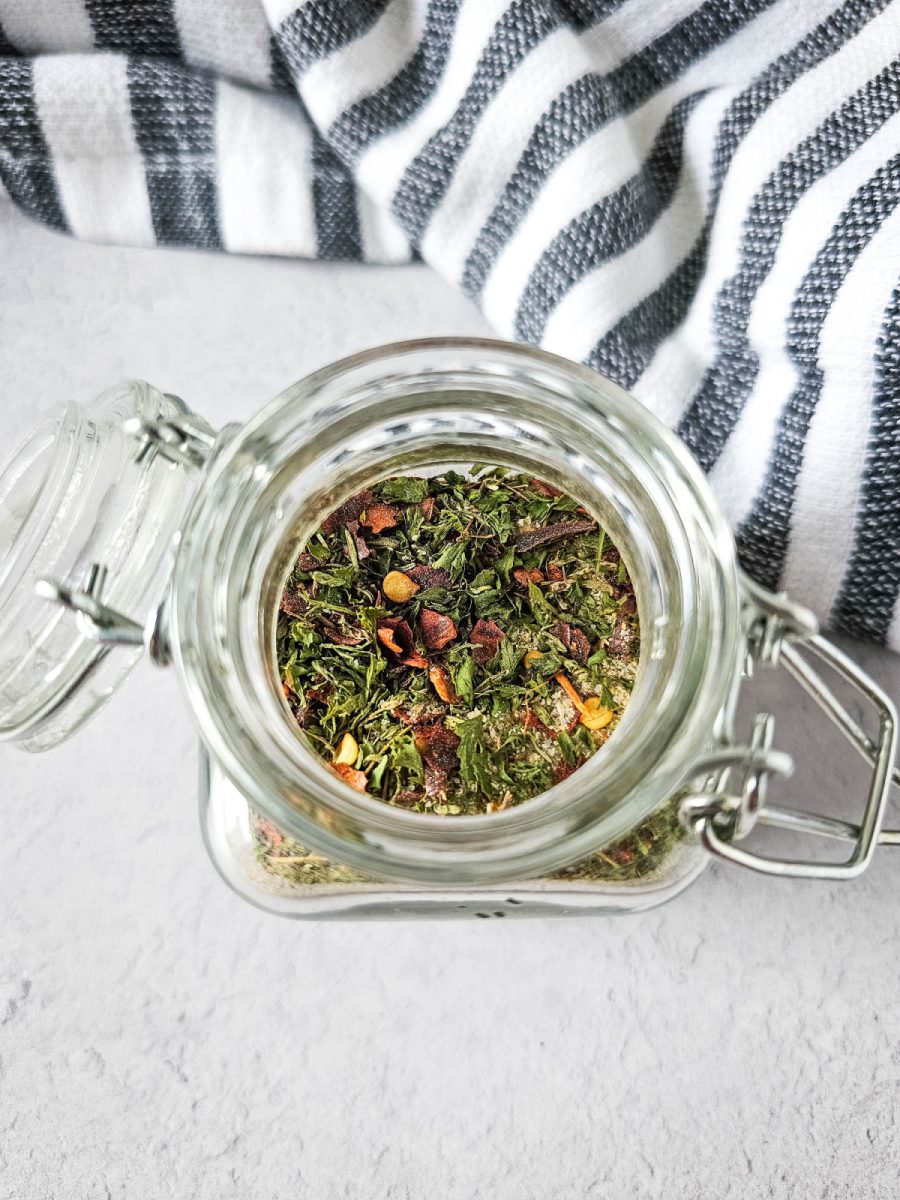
{"x":633,"y":858}
{"x":458,"y":644}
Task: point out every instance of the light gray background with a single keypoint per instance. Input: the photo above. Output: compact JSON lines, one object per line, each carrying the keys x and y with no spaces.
{"x":159,"y":1038}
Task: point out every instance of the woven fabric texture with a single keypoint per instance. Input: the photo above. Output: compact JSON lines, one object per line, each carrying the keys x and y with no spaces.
{"x":698,"y":200}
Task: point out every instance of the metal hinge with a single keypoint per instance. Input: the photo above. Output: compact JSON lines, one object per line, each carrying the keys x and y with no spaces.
{"x":104,"y":625}
{"x":184,"y":439}
{"x":730,"y":796}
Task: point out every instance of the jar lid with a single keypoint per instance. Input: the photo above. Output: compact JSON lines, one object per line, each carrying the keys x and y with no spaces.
{"x":90,"y":512}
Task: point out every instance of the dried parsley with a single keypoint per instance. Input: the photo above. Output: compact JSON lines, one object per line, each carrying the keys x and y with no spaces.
{"x":635,"y":857}
{"x":458,"y":644}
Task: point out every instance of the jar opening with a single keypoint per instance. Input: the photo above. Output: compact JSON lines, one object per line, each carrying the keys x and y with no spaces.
{"x":403,"y":410}
{"x":500,"y":664}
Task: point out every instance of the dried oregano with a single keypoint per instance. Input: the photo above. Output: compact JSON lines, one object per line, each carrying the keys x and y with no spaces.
{"x":458,"y":644}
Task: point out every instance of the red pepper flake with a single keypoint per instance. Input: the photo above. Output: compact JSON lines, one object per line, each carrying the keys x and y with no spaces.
{"x":348,"y":511}
{"x":319,"y":695}
{"x":438,"y":747}
{"x":442,"y":683}
{"x":303,"y":715}
{"x":563,"y":770}
{"x":532,"y":539}
{"x":523,"y":576}
{"x":395,"y":634}
{"x":356,"y":779}
{"x":621,"y":854}
{"x":486,"y":637}
{"x":427,"y":507}
{"x":436,"y":781}
{"x":622,"y":640}
{"x":438,"y":630}
{"x":544,"y":488}
{"x":341,"y":636}
{"x":429,"y":577}
{"x":293,"y":602}
{"x":307,"y":562}
{"x":362,"y":550}
{"x":409,"y":797}
{"x":574,"y":640}
{"x":437,"y":744}
{"x":379,"y":517}
{"x":272,"y":835}
{"x":571,"y":691}
{"x":555,"y":573}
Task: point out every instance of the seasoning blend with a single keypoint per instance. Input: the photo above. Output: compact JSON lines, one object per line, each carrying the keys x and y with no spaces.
{"x":457,"y":645}
{"x":519,"y":733}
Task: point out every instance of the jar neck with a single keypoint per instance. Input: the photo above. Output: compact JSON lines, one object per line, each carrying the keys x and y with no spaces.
{"x":404,"y":409}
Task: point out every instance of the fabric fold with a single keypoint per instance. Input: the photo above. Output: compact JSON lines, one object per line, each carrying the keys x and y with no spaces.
{"x":684,"y":195}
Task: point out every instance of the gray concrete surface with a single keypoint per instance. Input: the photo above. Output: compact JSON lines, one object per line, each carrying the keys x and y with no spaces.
{"x":158,"y":1038}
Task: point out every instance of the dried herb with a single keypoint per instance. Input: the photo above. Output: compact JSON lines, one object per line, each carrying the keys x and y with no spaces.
{"x":633,"y":858}
{"x":545,"y":535}
{"x":458,"y":644}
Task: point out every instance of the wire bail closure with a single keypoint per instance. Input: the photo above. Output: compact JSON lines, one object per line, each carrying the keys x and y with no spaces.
{"x":184,"y":440}
{"x":732,"y":793}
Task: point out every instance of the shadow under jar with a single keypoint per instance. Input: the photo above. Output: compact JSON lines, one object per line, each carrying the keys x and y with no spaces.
{"x":181,"y":541}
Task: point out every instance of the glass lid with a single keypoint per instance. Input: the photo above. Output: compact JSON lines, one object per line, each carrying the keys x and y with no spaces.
{"x":90,"y":510}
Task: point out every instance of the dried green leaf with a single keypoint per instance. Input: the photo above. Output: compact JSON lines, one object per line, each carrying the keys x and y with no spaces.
{"x":405,"y":489}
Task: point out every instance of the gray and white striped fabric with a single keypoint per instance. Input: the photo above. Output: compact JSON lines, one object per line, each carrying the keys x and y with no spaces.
{"x":699,"y":200}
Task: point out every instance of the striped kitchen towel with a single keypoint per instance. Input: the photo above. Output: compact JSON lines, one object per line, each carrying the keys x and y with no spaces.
{"x":699,"y":200}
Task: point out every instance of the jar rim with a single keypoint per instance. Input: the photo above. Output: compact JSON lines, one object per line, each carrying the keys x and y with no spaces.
{"x":319,"y":437}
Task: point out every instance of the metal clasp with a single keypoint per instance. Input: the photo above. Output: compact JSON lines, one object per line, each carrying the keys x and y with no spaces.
{"x":720,"y":813}
{"x":101,"y":624}
{"x":184,"y":439}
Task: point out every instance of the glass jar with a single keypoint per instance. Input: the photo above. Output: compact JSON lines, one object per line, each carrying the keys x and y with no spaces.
{"x":132,"y":526}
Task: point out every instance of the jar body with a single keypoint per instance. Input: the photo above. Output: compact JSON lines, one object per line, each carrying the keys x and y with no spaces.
{"x":411,"y":409}
{"x":406,"y":410}
{"x":203,"y":588}
{"x":239,"y":842}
